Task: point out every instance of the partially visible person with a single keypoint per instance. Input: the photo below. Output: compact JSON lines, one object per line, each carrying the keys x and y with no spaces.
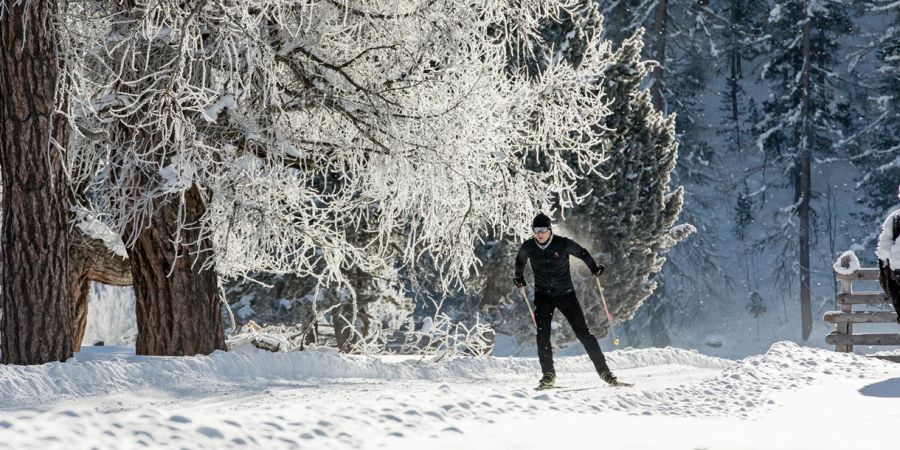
{"x":888,"y":253}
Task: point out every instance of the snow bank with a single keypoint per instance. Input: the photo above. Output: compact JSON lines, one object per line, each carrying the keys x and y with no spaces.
{"x":751,"y":382}
{"x":110,"y":370}
{"x":847,"y":263}
{"x":240,"y":400}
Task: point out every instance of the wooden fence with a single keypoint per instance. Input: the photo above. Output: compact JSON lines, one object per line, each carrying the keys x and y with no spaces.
{"x":843,"y":338}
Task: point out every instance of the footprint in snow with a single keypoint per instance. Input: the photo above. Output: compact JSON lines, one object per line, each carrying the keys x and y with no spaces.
{"x":211,"y":433}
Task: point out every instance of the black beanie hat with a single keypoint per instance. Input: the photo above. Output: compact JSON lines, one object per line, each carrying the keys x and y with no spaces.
{"x":540,"y":220}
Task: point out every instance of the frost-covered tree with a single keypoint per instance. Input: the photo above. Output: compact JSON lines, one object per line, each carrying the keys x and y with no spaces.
{"x":802,"y":118}
{"x":227,"y":138}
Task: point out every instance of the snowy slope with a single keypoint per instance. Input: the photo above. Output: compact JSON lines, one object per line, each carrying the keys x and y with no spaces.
{"x":780,"y":399}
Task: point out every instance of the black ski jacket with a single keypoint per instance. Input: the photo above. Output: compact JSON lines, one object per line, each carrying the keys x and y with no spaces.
{"x":551,"y":264}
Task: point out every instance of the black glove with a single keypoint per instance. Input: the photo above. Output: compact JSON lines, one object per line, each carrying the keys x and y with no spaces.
{"x":600,"y":269}
{"x":520,"y":281}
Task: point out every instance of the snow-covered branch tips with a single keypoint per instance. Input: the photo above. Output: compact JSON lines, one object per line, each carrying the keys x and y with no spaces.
{"x":313,"y":136}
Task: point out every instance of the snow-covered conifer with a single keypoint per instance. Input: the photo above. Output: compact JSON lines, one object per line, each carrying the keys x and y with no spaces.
{"x":629,"y":211}
{"x":630,"y":217}
{"x":803,"y":116}
{"x":879,"y":158}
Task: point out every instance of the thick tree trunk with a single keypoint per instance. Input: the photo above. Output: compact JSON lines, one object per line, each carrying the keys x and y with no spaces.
{"x":37,"y":314}
{"x":90,"y":260}
{"x":805,"y":184}
{"x":178,"y":305}
{"x":659,"y":50}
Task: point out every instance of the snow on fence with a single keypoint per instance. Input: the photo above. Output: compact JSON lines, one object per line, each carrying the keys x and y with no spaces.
{"x":847,"y":271}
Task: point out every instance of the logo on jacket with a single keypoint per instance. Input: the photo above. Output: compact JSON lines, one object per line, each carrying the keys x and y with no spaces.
{"x":555,"y":255}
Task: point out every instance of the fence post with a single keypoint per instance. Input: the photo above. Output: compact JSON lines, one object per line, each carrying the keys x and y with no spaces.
{"x":845,"y":328}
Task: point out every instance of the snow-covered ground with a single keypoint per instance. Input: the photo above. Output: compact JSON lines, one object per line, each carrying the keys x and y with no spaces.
{"x":108,"y":398}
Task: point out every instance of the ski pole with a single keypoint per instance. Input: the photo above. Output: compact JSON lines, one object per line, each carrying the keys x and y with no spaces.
{"x":525,"y":297}
{"x":608,"y":315}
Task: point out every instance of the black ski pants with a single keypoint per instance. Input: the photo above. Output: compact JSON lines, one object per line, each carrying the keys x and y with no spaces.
{"x":568,"y":305}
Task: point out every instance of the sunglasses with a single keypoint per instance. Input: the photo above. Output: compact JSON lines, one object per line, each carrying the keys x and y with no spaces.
{"x":540,"y":230}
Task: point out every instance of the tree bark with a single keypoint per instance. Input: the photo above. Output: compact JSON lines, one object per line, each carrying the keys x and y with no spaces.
{"x":659,"y":50}
{"x":734,"y":60}
{"x":179,"y":309}
{"x":805,"y":188}
{"x":90,"y":260}
{"x":34,"y":298}
{"x":348,"y":335}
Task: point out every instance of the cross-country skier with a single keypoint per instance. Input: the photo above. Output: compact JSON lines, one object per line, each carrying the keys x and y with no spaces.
{"x":553,"y":289}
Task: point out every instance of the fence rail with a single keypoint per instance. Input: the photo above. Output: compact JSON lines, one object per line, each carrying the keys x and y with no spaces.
{"x":843,"y":338}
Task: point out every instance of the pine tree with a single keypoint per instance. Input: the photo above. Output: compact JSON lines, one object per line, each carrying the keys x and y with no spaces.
{"x":743,"y":213}
{"x":801,"y":120}
{"x":631,"y":214}
{"x":738,"y":35}
{"x":881,"y":159}
{"x":628,"y":217}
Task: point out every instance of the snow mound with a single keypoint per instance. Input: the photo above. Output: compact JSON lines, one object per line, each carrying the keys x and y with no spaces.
{"x":107,"y":370}
{"x":751,"y":383}
{"x":745,"y":387}
{"x":847,"y":263}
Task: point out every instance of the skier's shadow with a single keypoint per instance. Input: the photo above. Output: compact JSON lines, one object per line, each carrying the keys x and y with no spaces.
{"x":889,"y":388}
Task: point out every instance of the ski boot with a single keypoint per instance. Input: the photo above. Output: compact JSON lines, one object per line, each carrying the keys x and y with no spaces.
{"x":548,"y":381}
{"x":611,"y":380}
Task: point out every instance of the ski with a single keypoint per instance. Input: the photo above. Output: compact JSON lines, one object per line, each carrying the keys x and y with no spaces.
{"x":619,"y":384}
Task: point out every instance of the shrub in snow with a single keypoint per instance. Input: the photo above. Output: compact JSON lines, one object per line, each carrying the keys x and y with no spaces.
{"x":271,"y":338}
